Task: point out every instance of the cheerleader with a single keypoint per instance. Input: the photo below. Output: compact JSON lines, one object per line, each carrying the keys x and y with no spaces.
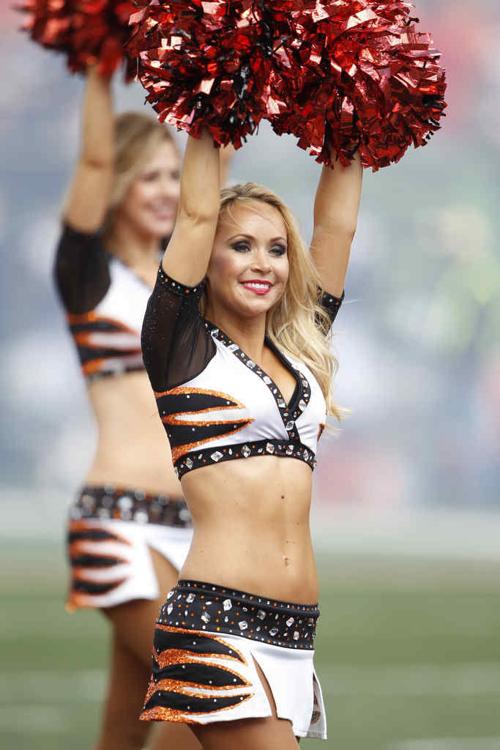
{"x":236,"y":345}
{"x":129,"y":528}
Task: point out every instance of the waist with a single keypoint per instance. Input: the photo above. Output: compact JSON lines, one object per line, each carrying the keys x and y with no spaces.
{"x":199,"y":605}
{"x":125,"y":504}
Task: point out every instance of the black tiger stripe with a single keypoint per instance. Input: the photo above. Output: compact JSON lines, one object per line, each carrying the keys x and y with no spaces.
{"x":190,"y":703}
{"x":192,"y":642}
{"x":93,"y":535}
{"x":200,"y":674}
{"x":95,"y":561}
{"x":97,"y":589}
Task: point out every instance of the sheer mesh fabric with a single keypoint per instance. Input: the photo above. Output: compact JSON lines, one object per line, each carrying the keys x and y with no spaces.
{"x":176,"y":346}
{"x":81,"y":270}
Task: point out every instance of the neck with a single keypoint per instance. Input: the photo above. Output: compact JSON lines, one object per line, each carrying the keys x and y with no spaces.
{"x":248,"y":333}
{"x":135,"y":248}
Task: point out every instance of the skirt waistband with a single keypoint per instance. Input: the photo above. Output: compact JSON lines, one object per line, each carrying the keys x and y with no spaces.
{"x":124,"y":504}
{"x":202,"y":606}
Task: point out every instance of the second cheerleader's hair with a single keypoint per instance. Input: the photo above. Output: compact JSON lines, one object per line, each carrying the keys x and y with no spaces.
{"x":297,"y":322}
{"x":137,"y":136}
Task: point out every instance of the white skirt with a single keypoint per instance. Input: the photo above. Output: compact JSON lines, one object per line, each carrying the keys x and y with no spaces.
{"x":110,"y":535}
{"x":208,"y":641}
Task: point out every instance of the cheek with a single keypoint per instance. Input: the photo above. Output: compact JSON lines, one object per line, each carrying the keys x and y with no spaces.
{"x":224,"y":267}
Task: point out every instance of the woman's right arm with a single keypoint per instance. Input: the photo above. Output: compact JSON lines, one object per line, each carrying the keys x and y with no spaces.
{"x":188,"y":253}
{"x":88,"y":197}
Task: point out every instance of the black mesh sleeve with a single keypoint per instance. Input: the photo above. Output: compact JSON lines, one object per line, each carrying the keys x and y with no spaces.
{"x":81,"y":270}
{"x":176,"y":345}
{"x":330,"y":304}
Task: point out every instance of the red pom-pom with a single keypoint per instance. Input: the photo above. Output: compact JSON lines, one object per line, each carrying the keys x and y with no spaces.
{"x":88,"y":32}
{"x":358,"y":75}
{"x":206,"y":63}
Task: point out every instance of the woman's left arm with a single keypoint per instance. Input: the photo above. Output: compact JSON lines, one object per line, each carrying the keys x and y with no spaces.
{"x":336,"y":208}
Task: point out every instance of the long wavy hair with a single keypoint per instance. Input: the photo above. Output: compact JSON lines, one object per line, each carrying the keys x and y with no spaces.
{"x":296,"y":323}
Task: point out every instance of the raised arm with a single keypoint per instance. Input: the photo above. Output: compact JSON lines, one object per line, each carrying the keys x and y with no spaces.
{"x":336,"y":208}
{"x":188,"y":253}
{"x":88,"y":197}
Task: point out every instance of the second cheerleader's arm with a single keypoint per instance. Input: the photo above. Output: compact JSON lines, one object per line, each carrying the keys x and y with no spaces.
{"x":88,"y":197}
{"x":336,"y":209}
{"x":188,"y":253}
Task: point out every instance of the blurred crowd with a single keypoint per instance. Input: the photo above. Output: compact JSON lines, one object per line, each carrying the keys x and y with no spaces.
{"x":417,"y":339}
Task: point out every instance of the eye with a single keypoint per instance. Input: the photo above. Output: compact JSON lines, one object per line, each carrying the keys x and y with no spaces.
{"x":150,"y":176}
{"x":278,"y":249}
{"x":241,"y":246}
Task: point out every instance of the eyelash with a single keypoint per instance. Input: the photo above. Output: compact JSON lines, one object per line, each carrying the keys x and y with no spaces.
{"x":240,"y":247}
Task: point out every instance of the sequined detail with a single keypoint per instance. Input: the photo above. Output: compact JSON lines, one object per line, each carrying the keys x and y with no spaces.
{"x":258,"y":448}
{"x":181,"y":289}
{"x":302,"y":394}
{"x":131,"y":505}
{"x":203,"y":606}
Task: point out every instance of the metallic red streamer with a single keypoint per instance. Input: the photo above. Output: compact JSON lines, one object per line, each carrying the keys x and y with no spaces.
{"x":86,"y":31}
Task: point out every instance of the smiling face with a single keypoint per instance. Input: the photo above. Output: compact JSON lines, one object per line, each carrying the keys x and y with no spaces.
{"x":150,"y":203}
{"x":248,"y":269}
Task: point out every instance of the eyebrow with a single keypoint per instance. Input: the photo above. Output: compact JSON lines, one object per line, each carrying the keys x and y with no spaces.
{"x":250,"y":237}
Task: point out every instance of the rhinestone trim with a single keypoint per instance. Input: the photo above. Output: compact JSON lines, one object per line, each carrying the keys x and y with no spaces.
{"x":209,"y":456}
{"x":204,"y":606}
{"x":181,"y":289}
{"x":130,"y":505}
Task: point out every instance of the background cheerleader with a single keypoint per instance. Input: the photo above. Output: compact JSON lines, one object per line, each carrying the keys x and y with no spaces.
{"x":129,"y":529}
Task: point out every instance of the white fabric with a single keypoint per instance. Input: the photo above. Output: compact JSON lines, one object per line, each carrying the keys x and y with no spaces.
{"x":291,"y":677}
{"x":226,"y":375}
{"x":135,"y":577}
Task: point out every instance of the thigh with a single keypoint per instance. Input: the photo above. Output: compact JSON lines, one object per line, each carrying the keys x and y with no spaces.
{"x":128,"y":678}
{"x":133,"y":622}
{"x":249,"y":734}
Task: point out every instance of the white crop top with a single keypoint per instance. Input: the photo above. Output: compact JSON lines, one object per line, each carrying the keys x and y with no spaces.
{"x":216,"y":403}
{"x":105,"y":303}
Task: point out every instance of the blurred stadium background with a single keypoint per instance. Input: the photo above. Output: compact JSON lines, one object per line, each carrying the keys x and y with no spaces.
{"x":407,"y":507}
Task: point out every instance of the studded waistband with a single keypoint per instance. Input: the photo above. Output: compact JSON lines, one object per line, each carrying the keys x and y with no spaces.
{"x":204,"y":606}
{"x":119,"y":504}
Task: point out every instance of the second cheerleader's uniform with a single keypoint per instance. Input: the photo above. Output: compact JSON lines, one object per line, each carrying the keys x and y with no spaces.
{"x":218,"y":405}
{"x":112,"y":528}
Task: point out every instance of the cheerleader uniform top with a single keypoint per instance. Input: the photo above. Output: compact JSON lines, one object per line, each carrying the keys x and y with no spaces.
{"x":216,"y":404}
{"x":105,"y":303}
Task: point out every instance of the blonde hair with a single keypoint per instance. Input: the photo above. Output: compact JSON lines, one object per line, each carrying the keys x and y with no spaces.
{"x":136,"y":138}
{"x":297,"y":323}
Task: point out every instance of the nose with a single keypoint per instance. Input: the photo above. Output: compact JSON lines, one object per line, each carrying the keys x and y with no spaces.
{"x":260,"y":260}
{"x":170,"y":187}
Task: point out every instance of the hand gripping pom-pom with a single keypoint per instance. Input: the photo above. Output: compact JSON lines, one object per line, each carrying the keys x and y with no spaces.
{"x":358,"y":75}
{"x":207,"y":64}
{"x":88,"y":32}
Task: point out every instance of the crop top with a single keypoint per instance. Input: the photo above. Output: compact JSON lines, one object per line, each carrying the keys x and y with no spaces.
{"x":105,"y":303}
{"x":216,"y":404}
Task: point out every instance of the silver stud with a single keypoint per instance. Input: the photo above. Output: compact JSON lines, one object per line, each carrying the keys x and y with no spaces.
{"x":227,"y":605}
{"x":273,"y":632}
{"x":261,"y":614}
{"x":216,"y":456}
{"x":269,"y":448}
{"x":169,"y":609}
{"x":296,"y":635}
{"x":188,"y":462}
{"x":205,"y":617}
{"x":190,"y":598}
{"x":290,"y":622}
{"x":243,"y":625}
{"x":245,"y":451}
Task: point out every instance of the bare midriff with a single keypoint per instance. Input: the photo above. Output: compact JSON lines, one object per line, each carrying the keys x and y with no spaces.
{"x":132,"y":449}
{"x":251,"y":527}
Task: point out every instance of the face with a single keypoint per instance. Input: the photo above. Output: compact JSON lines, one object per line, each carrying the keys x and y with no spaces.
{"x":248,"y":268}
{"x":150,"y":203}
